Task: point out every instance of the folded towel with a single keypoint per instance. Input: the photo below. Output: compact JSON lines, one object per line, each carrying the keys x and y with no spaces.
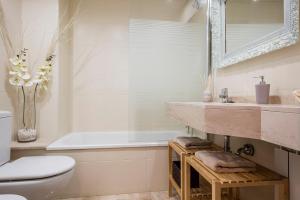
{"x":224,"y":162}
{"x":192,"y":142}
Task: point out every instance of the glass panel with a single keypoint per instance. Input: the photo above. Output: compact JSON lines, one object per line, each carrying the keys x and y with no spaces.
{"x":167,"y":59}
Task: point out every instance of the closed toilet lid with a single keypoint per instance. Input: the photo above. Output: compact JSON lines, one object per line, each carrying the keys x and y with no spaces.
{"x":11,"y":197}
{"x":36,"y":167}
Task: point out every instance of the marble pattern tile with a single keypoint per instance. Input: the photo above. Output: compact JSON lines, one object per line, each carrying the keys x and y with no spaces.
{"x":135,"y":196}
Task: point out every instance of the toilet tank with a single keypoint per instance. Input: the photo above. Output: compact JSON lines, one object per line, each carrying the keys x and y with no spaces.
{"x":5,"y":136}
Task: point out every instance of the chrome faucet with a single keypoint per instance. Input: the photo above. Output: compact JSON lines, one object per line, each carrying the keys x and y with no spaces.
{"x":224,"y":96}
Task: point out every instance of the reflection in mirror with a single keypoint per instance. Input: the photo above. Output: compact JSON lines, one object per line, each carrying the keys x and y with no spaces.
{"x":250,"y":20}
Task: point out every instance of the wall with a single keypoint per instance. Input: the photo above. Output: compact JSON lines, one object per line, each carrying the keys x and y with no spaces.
{"x":281,"y":69}
{"x":12,"y":12}
{"x":65,"y":70}
{"x":100,"y":83}
{"x":37,"y":35}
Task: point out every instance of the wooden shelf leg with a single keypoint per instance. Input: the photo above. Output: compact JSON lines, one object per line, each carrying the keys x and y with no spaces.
{"x":170,"y":191}
{"x":187,"y":181}
{"x":282,"y":191}
{"x":182,"y":176}
{"x":216,"y":191}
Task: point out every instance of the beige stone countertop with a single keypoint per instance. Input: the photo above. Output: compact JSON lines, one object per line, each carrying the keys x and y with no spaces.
{"x":244,"y":106}
{"x":274,"y":123}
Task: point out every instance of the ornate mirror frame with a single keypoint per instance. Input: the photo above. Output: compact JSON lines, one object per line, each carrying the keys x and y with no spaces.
{"x":283,"y":37}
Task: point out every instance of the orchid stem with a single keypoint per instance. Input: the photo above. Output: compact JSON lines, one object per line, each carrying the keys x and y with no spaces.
{"x":34,"y":104}
{"x":24,"y":103}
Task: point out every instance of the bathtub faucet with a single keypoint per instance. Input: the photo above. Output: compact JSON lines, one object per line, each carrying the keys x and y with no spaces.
{"x":190,"y":130}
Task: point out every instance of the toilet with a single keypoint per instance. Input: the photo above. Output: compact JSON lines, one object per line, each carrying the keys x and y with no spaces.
{"x":11,"y":197}
{"x":33,"y":177}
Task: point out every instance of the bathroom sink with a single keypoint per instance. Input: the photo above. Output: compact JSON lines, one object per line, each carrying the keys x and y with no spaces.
{"x":233,"y":119}
{"x":281,"y":125}
{"x":189,"y":113}
{"x":278,"y":124}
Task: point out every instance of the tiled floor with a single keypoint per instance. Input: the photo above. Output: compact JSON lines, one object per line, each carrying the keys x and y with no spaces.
{"x":137,"y":196}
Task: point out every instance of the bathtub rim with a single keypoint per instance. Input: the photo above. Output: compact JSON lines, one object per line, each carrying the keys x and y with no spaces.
{"x":163,"y":143}
{"x":108,"y":146}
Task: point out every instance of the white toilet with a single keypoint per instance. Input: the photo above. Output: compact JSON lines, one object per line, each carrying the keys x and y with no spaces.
{"x":36,"y":177}
{"x":11,"y":197}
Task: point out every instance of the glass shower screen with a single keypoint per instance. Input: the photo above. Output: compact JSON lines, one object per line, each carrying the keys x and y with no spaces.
{"x":167,"y":59}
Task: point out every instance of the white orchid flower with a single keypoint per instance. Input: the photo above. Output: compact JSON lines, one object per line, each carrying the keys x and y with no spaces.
{"x":19,"y":72}
{"x":25,"y":76}
{"x":41,"y":73}
{"x":15,"y":61}
{"x":15,"y":81}
{"x":24,"y":69}
{"x":20,"y":75}
{"x":29,"y":84}
{"x":36,"y":80}
{"x":12,"y":72}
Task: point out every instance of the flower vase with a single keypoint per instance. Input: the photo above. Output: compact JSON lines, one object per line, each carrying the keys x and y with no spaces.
{"x":26,"y":115}
{"x":27,"y":135}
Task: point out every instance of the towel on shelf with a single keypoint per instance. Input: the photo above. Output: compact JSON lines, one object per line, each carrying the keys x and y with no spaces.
{"x":192,"y":142}
{"x":225,"y":162}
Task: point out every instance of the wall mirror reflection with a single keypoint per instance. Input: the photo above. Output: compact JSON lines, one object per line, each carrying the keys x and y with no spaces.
{"x":250,"y":20}
{"x":244,"y":29}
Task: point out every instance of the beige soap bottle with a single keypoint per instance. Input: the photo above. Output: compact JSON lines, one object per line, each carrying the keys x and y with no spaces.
{"x":262,"y":91}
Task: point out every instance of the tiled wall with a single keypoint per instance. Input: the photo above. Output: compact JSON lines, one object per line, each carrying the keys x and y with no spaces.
{"x":37,"y":35}
{"x":280,"y":68}
{"x":14,"y":27}
{"x":100,"y":83}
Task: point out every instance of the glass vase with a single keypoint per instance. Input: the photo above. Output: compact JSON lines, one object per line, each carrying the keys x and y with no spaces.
{"x":26,"y":114}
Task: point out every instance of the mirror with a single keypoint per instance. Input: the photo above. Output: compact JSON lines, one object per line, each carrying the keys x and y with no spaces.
{"x":248,"y":20}
{"x":243,"y":29}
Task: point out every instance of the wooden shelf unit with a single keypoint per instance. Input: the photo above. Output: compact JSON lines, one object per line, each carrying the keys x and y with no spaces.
{"x":218,"y":181}
{"x":183,"y":154}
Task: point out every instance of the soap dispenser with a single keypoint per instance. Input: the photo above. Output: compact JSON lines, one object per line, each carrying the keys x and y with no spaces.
{"x":262,"y":91}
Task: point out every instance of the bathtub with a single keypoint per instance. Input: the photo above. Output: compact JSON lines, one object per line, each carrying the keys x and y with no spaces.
{"x":95,"y":140}
{"x":109,"y":163}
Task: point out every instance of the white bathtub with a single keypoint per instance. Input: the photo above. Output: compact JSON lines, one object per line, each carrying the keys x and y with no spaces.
{"x":94,"y":140}
{"x":109,"y":163}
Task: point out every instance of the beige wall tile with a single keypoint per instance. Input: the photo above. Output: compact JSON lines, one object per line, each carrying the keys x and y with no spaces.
{"x":280,"y":68}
